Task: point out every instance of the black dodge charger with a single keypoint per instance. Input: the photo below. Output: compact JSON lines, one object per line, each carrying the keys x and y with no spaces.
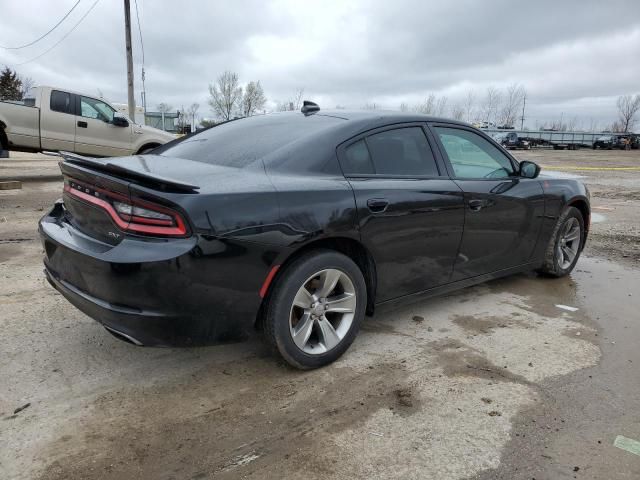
{"x":299,"y":224}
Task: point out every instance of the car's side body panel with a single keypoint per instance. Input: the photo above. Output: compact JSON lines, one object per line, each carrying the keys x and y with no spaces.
{"x":246,"y":222}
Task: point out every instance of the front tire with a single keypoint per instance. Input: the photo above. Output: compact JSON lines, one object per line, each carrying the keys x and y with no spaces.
{"x":315,"y":309}
{"x":565,"y":244}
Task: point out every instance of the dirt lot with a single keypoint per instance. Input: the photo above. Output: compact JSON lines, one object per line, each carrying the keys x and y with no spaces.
{"x":493,"y":382}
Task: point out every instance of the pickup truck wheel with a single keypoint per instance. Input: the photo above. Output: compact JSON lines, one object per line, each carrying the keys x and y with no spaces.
{"x":146,"y":149}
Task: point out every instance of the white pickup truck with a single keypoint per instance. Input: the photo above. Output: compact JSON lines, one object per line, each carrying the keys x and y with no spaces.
{"x":56,"y":119}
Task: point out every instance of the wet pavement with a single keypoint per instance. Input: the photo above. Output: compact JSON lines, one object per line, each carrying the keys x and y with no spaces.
{"x":492,"y":382}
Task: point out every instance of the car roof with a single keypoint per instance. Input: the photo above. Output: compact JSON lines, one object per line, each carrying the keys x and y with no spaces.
{"x":389,"y":116}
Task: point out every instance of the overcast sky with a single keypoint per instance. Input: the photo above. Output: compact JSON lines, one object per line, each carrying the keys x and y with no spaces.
{"x":573,"y":57}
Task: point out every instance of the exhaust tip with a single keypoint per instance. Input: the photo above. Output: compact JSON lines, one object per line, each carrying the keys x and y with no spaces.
{"x":123,"y":336}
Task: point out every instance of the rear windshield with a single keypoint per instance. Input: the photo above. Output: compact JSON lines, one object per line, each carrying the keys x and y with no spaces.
{"x":241,"y":142}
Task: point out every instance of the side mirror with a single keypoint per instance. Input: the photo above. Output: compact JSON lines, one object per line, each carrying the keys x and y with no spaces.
{"x":529,"y":169}
{"x":119,"y":121}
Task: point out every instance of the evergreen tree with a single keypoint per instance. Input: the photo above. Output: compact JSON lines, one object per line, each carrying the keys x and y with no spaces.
{"x":10,"y":85}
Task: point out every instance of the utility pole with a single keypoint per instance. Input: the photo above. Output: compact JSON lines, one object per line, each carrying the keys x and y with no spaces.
{"x":524,"y":103}
{"x":127,"y":33}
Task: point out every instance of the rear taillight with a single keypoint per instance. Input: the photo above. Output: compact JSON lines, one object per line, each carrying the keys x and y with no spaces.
{"x":137,"y":216}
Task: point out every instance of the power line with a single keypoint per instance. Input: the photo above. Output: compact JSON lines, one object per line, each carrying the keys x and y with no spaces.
{"x":40,"y":38}
{"x":60,"y":41}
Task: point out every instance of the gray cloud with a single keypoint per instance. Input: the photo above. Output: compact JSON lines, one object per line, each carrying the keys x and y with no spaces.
{"x":574,"y":57}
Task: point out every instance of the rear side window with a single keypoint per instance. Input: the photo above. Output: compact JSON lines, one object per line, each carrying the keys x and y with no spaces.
{"x":402,"y":151}
{"x":357,"y":160}
{"x":60,"y":102}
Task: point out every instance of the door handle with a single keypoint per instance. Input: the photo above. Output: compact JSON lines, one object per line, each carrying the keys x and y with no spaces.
{"x":477,"y":205}
{"x":82,"y":124}
{"x":377,"y":205}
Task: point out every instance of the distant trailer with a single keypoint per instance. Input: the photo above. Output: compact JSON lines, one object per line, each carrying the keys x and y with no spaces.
{"x":556,"y":140}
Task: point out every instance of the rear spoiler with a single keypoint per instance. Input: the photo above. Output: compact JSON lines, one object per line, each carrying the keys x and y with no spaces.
{"x":103,"y":165}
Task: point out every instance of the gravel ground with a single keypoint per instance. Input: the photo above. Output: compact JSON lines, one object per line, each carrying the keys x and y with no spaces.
{"x":494,"y":381}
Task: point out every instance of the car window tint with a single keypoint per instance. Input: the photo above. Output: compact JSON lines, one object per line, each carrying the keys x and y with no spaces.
{"x":60,"y":101}
{"x":403,"y":151}
{"x":472,"y":156}
{"x":357,"y":159}
{"x":92,"y":108}
{"x":240,"y":143}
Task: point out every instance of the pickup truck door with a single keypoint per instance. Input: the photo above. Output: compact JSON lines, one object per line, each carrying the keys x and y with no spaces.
{"x":57,"y":121}
{"x":95,"y":132}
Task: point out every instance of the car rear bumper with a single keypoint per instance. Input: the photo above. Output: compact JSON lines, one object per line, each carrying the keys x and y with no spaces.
{"x":168,"y":293}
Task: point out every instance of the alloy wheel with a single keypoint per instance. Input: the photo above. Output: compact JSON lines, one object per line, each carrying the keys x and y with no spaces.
{"x":323,"y":311}
{"x":568,"y":243}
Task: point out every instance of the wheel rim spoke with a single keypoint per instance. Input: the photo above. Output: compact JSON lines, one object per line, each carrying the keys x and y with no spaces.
{"x":302,"y":330}
{"x":329,"y":279}
{"x":559,"y":254}
{"x":303,"y":298}
{"x":343,"y":303}
{"x":329,"y":337}
{"x":568,"y":254}
{"x":574,"y":234}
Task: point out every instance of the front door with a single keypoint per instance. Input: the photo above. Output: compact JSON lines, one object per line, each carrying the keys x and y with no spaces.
{"x":95,"y":132}
{"x":503,"y":212}
{"x":410,"y":214}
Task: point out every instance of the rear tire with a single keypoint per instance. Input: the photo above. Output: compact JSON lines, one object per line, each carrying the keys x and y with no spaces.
{"x":565,"y":244}
{"x":315,"y":309}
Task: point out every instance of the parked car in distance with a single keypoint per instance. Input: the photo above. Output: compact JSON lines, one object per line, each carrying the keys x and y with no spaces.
{"x":299,"y":225}
{"x":512,"y":141}
{"x":60,"y":120}
{"x":605,"y":141}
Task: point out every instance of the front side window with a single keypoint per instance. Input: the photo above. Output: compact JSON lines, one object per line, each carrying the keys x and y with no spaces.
{"x":92,"y":108}
{"x":60,"y":101}
{"x":472,"y":156}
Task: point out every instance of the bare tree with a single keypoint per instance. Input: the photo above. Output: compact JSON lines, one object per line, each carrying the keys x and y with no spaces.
{"x":294,"y":103}
{"x":441,"y":106}
{"x":512,"y":104}
{"x":226,"y":95}
{"x":490,"y":104}
{"x":573,"y":124}
{"x":253,"y":99}
{"x":297,"y":100}
{"x":193,"y":112}
{"x":404,"y":107}
{"x":27,"y":85}
{"x":370,"y":106}
{"x":469,"y":106}
{"x":628,"y":107}
{"x":457,"y":112}
{"x":428,"y":106}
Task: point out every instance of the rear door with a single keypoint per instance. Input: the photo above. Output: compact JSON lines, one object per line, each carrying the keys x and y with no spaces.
{"x":503,"y":212}
{"x":410,"y":214}
{"x":95,"y":132}
{"x":57,"y":122}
